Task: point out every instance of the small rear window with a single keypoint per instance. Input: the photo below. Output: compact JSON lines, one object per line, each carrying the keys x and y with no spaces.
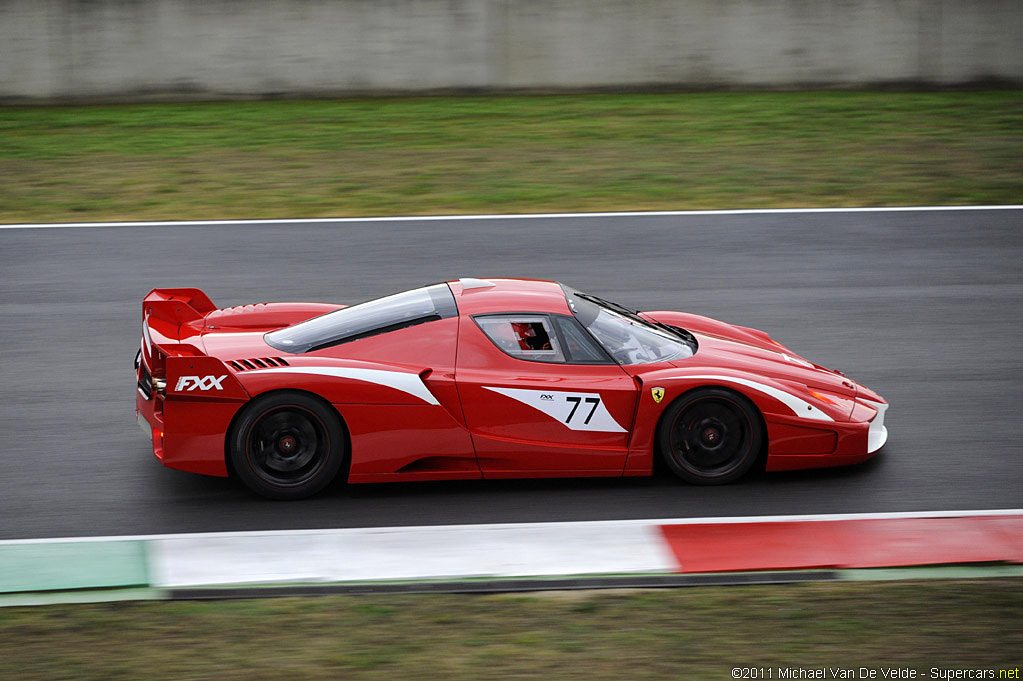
{"x":374,"y":317}
{"x":523,"y":336}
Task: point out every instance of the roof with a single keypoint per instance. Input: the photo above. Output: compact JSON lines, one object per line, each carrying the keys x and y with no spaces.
{"x":474,"y":296}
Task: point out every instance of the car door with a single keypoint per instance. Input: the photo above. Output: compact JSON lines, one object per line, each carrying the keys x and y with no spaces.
{"x":541,"y":397}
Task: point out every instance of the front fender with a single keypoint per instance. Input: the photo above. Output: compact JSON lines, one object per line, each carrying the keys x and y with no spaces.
{"x":777,"y":400}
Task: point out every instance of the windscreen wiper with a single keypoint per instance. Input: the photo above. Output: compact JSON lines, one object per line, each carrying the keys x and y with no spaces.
{"x":634,"y":314}
{"x":611,"y":306}
{"x":673,"y":330}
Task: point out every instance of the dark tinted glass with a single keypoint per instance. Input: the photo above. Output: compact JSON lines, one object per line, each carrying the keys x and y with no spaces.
{"x":367,"y":319}
{"x":579,"y":345}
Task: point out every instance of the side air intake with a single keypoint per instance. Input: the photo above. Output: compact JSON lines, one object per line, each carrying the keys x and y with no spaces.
{"x":257,"y":363}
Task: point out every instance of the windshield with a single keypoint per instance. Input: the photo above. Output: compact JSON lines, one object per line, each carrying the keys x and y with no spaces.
{"x":626,"y":336}
{"x":366,"y":319}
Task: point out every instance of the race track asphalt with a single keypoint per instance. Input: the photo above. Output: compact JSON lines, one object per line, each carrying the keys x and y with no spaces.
{"x":924,"y":307}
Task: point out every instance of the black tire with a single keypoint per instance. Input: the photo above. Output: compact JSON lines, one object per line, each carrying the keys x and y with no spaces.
{"x":711,"y":436}
{"x":287,"y":445}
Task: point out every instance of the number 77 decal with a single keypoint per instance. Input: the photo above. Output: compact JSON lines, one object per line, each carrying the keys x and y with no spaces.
{"x":565,"y":408}
{"x":595,"y":401}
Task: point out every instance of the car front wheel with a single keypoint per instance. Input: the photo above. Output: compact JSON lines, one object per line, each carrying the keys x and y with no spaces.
{"x":711,"y":436}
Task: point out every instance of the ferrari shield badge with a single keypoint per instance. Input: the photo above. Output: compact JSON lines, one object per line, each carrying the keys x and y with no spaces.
{"x":658,"y":394}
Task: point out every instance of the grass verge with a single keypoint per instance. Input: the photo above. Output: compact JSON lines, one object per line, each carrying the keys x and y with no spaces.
{"x":694,"y":633}
{"x":509,"y":154}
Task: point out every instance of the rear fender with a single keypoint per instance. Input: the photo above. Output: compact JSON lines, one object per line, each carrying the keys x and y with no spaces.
{"x":201,"y":399}
{"x":345,"y":382}
{"x":403,"y":422}
{"x":198,"y":377}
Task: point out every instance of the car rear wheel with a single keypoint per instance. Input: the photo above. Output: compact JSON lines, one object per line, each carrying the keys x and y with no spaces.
{"x":287,"y":446}
{"x":711,"y":436}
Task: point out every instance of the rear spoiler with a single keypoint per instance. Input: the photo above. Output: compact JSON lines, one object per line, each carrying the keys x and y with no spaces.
{"x":177,"y":305}
{"x":167,"y":310}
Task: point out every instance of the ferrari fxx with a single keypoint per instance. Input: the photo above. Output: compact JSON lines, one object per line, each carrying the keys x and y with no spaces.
{"x":482,"y":378}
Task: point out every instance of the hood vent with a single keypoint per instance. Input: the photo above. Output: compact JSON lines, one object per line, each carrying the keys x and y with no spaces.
{"x":257,"y":363}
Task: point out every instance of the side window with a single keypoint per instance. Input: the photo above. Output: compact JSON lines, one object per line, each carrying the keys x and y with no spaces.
{"x":579,"y":345}
{"x":524,"y":336}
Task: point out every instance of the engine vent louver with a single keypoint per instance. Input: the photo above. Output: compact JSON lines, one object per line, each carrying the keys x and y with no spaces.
{"x":257,"y":363}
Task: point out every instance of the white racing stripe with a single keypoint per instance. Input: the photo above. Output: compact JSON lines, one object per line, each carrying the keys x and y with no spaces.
{"x":406,"y":382}
{"x":799,"y":407}
{"x":510,"y":216}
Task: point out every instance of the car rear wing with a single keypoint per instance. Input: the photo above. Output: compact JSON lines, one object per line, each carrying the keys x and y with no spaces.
{"x":170,"y":318}
{"x":177,"y":306}
{"x":174,"y":315}
{"x":174,"y":362}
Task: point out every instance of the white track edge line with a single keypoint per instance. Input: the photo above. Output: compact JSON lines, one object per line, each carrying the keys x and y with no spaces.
{"x":509,"y":216}
{"x":511,"y":526}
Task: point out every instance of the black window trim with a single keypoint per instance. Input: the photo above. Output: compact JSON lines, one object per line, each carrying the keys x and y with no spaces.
{"x":608,"y":360}
{"x":397,"y":326}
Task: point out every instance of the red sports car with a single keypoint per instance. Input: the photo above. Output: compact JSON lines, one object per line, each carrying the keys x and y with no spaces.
{"x":482,"y":378}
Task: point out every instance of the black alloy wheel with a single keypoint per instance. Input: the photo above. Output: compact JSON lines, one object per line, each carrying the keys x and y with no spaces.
{"x":710,"y":436}
{"x":287,"y":446}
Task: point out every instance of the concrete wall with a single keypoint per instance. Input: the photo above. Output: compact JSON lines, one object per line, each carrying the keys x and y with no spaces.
{"x":124,"y":49}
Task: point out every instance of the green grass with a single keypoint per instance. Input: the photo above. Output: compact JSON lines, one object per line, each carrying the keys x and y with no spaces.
{"x":695,"y":633}
{"x":509,"y":154}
